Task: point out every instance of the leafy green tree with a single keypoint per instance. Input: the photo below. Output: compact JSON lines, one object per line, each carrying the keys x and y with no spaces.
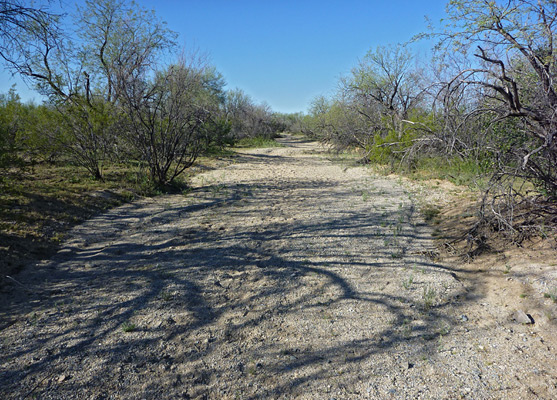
{"x":11,"y":123}
{"x":217,"y":128}
{"x":45,"y":137}
{"x":114,"y":42}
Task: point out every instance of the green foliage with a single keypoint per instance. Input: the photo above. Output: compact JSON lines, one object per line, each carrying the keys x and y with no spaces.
{"x":389,"y":148}
{"x":11,"y":125}
{"x":128,"y":327}
{"x":552,"y":294}
{"x":429,"y":296}
{"x":31,"y":133}
{"x":469,"y":172}
{"x":257,"y":142}
{"x":46,"y":136}
{"x":386,"y":78}
{"x":286,"y":122}
{"x":218,"y":131}
{"x":407,"y":283}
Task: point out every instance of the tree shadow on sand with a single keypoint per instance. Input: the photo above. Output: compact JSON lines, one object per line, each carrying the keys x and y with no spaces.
{"x":219,"y":308}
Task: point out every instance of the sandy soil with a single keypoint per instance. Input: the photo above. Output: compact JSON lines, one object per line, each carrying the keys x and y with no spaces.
{"x":282,"y":275}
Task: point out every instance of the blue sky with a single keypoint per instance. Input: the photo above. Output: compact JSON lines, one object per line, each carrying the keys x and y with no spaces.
{"x":285,"y":52}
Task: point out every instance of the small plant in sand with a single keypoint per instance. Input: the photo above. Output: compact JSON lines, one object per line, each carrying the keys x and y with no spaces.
{"x":428,"y":297}
{"x":219,"y":188}
{"x":34,"y":319}
{"x":443,"y":329}
{"x":366,"y":195}
{"x":397,"y":230}
{"x":408,"y":282}
{"x":406,"y":328}
{"x":128,"y":327}
{"x":552,"y":294}
{"x":397,"y":254}
{"x":251,"y":370}
{"x":430,"y":212}
{"x":166,"y":296}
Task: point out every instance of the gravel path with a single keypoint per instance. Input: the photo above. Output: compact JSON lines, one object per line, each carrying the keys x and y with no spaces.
{"x":282,"y":275}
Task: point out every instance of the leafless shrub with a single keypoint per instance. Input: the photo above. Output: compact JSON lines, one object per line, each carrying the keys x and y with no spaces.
{"x":166,"y":117}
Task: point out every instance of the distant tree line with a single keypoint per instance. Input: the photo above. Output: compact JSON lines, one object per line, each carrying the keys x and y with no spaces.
{"x":487,"y":102}
{"x":110,"y":95}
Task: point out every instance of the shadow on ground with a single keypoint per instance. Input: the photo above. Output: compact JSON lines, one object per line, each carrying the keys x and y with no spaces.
{"x":225,"y":292}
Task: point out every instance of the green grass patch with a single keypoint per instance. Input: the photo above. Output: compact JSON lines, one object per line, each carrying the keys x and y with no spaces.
{"x":460,"y":172}
{"x":219,"y":151}
{"x":257,"y":142}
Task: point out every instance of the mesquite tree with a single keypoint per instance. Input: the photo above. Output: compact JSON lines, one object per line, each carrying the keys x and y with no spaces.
{"x":510,"y":95}
{"x":515,"y":71}
{"x":247,"y":119}
{"x":80,"y":70}
{"x":167,"y":117}
{"x":372,"y":108}
{"x":20,"y":23}
{"x":385,"y":82}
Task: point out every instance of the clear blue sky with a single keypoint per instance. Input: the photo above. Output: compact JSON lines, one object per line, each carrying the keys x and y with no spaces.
{"x":285,"y":52}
